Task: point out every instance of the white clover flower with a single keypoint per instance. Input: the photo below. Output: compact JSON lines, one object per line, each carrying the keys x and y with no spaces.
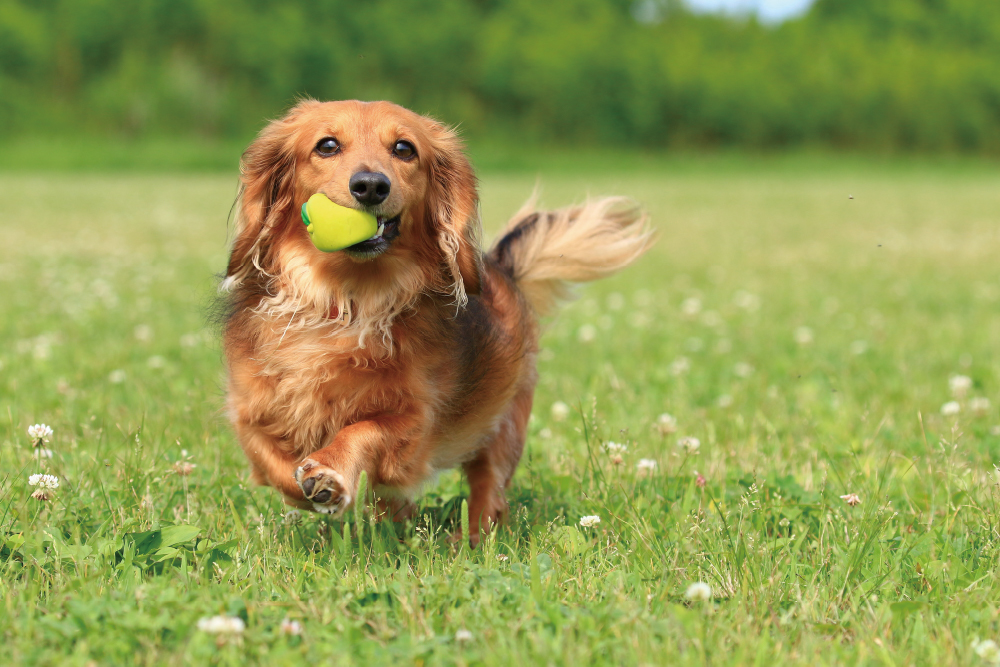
{"x":724,"y":401}
{"x":959,"y":385}
{"x":979,"y":405}
{"x":143,"y":333}
{"x":987,"y":649}
{"x":648,"y":465}
{"x":803,"y":335}
{"x":859,"y":347}
{"x":689,"y":444}
{"x":40,"y":433}
{"x":590,"y":521}
{"x":559,"y":411}
{"x":463,"y":635}
{"x":747,"y":301}
{"x":222,"y":625}
{"x":951,"y":408}
{"x":503,"y":557}
{"x":615,"y":448}
{"x":851,"y":499}
{"x":586,"y":333}
{"x":293,"y":517}
{"x":639,"y":320}
{"x":184,"y":468}
{"x":680,"y":366}
{"x":666,"y":424}
{"x":698,"y":591}
{"x":116,"y":376}
{"x":42,"y":349}
{"x":156,"y":361}
{"x":190,"y":340}
{"x":691,"y":306}
{"x":615,"y":451}
{"x":743,"y":369}
{"x":290,"y":627}
{"x":43,"y":481}
{"x":712,"y":319}
{"x":616,"y":301}
{"x":545,"y":433}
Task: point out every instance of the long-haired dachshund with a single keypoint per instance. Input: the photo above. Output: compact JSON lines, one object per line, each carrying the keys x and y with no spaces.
{"x":411,"y":352}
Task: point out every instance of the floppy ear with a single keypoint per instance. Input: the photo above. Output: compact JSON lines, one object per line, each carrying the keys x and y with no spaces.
{"x":453,"y":205}
{"x":267,"y":175}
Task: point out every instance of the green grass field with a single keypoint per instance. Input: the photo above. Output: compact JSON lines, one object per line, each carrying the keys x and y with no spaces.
{"x":802,"y":319}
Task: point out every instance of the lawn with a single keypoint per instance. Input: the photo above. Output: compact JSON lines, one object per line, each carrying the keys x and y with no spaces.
{"x":822,"y":327}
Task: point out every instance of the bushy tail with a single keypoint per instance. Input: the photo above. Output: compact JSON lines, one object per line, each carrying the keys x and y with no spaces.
{"x":544,"y":251}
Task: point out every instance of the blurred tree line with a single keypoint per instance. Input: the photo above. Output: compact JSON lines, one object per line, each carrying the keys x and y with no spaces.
{"x":869,"y":74}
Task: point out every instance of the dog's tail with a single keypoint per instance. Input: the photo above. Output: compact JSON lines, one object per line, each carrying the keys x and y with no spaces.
{"x":545,"y":251}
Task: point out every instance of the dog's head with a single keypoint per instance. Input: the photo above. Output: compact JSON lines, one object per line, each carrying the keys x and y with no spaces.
{"x":407,"y":170}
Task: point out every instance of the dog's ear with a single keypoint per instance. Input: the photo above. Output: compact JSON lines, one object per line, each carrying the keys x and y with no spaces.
{"x":453,"y":207}
{"x":267,"y":176}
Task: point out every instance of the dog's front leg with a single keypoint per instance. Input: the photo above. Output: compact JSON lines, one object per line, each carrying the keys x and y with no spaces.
{"x":272,"y":464}
{"x":390,"y":449}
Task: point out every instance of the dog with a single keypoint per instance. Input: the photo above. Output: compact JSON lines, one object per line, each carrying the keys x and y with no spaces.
{"x":406,"y":354}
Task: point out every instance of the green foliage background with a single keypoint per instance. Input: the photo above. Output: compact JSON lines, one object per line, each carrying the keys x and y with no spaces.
{"x":886,"y":75}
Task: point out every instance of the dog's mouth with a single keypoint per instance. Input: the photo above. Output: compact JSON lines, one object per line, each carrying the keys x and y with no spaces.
{"x":388,"y":230}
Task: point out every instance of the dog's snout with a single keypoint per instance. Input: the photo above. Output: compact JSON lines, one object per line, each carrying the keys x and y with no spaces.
{"x":370,"y":188}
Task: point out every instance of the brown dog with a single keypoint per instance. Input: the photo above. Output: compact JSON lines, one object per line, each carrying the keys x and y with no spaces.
{"x":411,"y":352}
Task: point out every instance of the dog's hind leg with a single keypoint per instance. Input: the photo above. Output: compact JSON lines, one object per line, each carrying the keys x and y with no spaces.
{"x":490,"y":472}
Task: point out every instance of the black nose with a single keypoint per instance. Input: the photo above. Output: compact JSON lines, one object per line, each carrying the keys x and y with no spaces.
{"x":370,"y":188}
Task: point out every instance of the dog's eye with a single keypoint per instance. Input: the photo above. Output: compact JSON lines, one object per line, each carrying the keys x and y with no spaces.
{"x":328,"y":146}
{"x":404,"y":150}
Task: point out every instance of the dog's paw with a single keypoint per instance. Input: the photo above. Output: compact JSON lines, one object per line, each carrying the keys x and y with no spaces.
{"x":324,"y":487}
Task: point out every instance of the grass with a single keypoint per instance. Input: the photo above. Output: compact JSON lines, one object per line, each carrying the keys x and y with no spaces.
{"x":802,"y":323}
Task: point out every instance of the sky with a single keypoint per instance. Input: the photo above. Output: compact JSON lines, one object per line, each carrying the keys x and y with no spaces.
{"x":769,"y":11}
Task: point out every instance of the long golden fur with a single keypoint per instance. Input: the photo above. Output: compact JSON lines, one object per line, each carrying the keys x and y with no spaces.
{"x":406,"y":361}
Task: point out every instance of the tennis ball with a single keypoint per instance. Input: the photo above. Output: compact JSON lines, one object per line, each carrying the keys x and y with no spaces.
{"x":333,"y":227}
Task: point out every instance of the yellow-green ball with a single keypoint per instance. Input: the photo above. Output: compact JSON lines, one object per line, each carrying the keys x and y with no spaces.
{"x":333,"y":227}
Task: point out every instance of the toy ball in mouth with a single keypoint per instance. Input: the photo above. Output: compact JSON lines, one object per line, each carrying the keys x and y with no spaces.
{"x":333,"y":227}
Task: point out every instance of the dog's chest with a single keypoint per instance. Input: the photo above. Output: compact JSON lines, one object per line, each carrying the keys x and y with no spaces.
{"x":316,"y":386}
